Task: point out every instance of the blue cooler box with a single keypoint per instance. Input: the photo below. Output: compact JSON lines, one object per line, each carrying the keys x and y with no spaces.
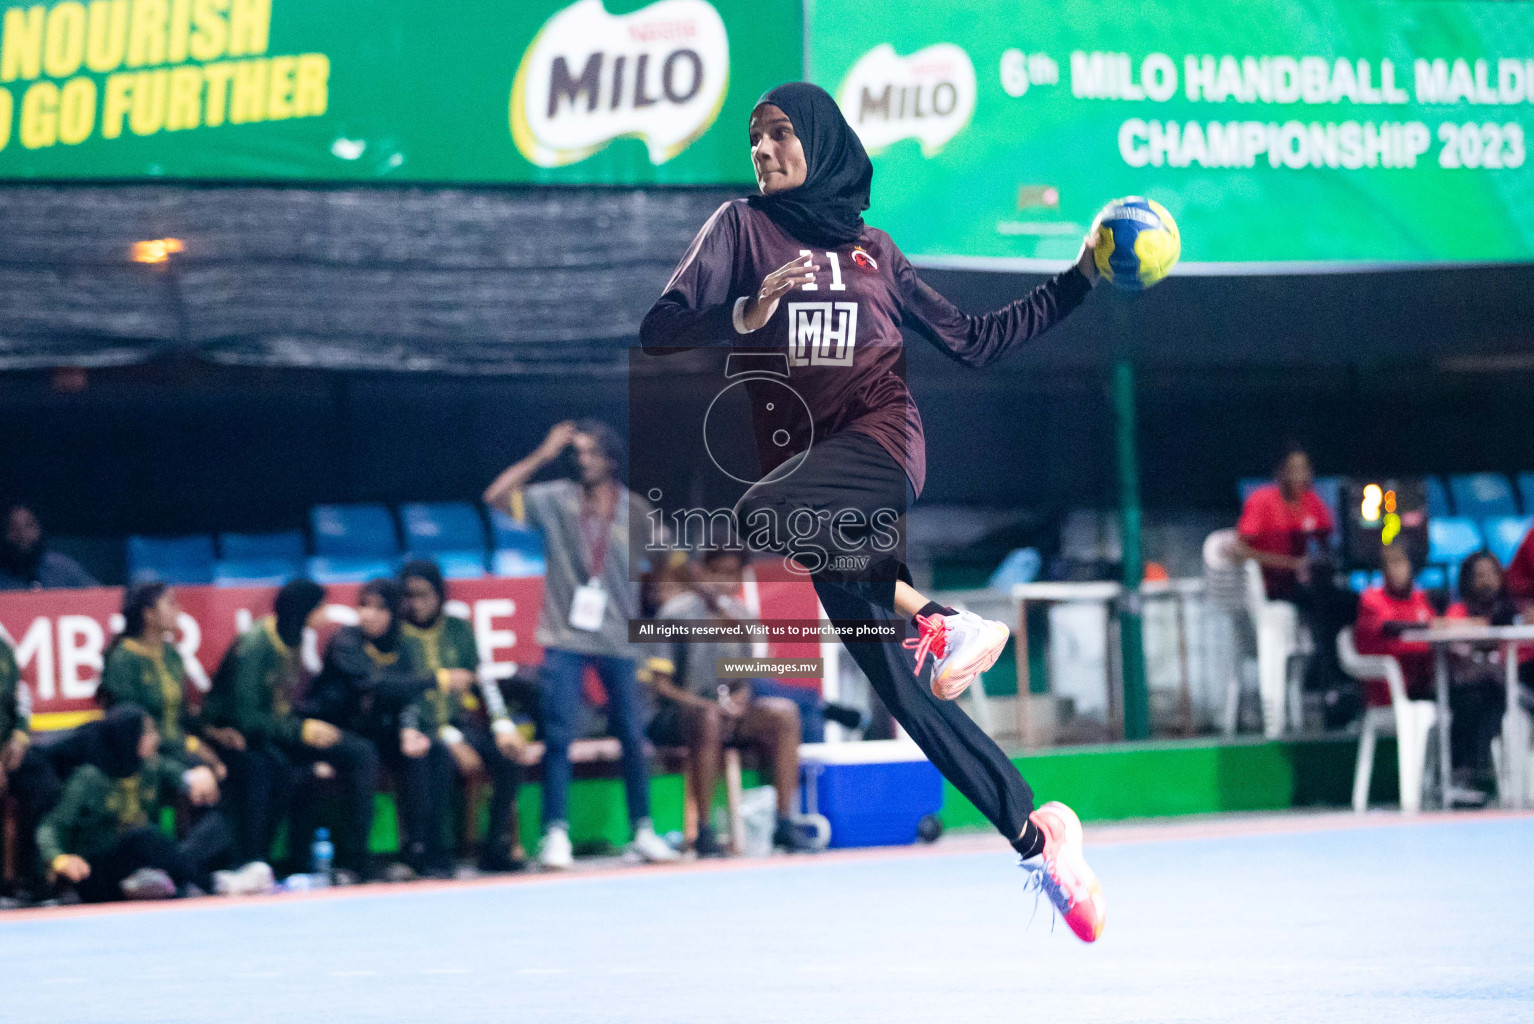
{"x":874,"y":793}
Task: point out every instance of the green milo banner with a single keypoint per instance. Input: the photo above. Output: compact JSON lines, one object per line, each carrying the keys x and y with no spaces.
{"x":1279,"y":133}
{"x":538,"y":91}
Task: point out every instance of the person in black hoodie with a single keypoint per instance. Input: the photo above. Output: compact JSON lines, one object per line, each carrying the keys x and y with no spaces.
{"x":103,"y":834}
{"x":366,"y":686}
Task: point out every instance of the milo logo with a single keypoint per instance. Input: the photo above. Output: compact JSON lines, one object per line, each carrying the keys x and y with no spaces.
{"x":928,"y":96}
{"x":659,"y":74}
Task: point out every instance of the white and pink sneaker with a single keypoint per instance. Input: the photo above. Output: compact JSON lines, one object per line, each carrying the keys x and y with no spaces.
{"x":1061,"y":871}
{"x":962,"y":646}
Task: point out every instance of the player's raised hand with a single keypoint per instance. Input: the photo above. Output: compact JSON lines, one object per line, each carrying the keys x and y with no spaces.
{"x":1086,"y":260}
{"x":559,"y":438}
{"x":794,"y":274}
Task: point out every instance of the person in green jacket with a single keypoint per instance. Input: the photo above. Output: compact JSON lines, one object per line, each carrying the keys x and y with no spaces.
{"x":249,"y":714}
{"x":458,"y":719}
{"x":143,"y":667}
{"x":103,"y":837}
{"x":24,"y":772}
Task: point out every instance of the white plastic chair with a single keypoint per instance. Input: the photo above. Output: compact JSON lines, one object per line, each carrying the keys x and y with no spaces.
{"x":1280,"y":643}
{"x":1410,"y":721}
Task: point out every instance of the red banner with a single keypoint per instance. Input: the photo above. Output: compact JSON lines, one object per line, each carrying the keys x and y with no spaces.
{"x":60,"y":635}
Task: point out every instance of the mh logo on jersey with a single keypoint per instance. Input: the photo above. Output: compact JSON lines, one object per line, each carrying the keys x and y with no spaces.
{"x":659,"y":74}
{"x":822,"y":333}
{"x":928,"y":96}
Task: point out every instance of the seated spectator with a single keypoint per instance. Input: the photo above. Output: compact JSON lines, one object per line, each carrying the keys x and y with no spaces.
{"x":249,"y":715}
{"x":721,"y":571}
{"x":143,"y":667}
{"x":27,"y":564}
{"x":24,"y":770}
{"x":704,"y":713}
{"x":1285,"y":527}
{"x":1384,"y":612}
{"x":370,"y":684}
{"x":1478,"y":695}
{"x":440,"y":641}
{"x":1520,"y":572}
{"x":1280,"y":525}
{"x":103,"y":834}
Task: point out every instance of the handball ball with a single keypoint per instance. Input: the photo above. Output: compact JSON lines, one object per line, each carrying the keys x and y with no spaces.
{"x":1138,"y":243}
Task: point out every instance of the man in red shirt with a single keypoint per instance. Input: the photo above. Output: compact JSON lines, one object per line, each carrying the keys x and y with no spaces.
{"x":1383,"y":613}
{"x":1278,"y":523}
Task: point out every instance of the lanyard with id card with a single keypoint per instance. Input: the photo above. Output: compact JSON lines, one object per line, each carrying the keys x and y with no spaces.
{"x":589,"y":605}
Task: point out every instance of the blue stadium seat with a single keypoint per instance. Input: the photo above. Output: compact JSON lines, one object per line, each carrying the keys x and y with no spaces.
{"x":1431,"y":578}
{"x":353,"y":531}
{"x":1437,"y":498}
{"x":255,"y":572}
{"x":1452,"y":539}
{"x":459,"y":565}
{"x":1504,"y":534}
{"x":1482,"y":495}
{"x":178,"y":560}
{"x":511,"y":562}
{"x":288,"y":545}
{"x":442,"y":526}
{"x":1526,"y":491}
{"x":1360,"y":580}
{"x":518,"y":547}
{"x":348,"y":568}
{"x":1249,"y":484}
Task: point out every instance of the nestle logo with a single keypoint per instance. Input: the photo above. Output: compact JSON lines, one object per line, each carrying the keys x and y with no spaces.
{"x":659,"y":30}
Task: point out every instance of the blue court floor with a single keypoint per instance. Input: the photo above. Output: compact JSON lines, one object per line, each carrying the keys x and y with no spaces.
{"x":1255,"y":920}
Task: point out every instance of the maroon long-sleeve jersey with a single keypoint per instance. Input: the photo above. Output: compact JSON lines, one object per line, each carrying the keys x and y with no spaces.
{"x":841,"y":332}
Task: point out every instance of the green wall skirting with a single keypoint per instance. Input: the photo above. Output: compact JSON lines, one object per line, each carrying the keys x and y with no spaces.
{"x":1156,"y":779}
{"x":1122,"y":780}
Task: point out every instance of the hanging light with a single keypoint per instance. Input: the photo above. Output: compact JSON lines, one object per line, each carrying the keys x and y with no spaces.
{"x":156,"y":250}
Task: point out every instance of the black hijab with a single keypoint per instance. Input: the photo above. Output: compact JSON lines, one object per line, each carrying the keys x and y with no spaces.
{"x":388,"y":591}
{"x":295,"y":602}
{"x":827,"y":210}
{"x":110,"y":743}
{"x":426,"y":569}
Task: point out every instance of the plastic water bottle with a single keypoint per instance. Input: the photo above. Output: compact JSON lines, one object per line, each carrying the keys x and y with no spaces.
{"x":322,"y":854}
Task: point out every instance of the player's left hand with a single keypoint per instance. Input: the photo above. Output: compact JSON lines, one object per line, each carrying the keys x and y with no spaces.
{"x":225,"y":736}
{"x":13,"y":751}
{"x":511,"y":744}
{"x":1086,"y":260}
{"x":214,"y":763}
{"x":467,"y":758}
{"x":414,"y":743}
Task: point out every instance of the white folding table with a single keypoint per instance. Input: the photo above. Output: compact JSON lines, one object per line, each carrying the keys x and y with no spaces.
{"x":1515,"y":724}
